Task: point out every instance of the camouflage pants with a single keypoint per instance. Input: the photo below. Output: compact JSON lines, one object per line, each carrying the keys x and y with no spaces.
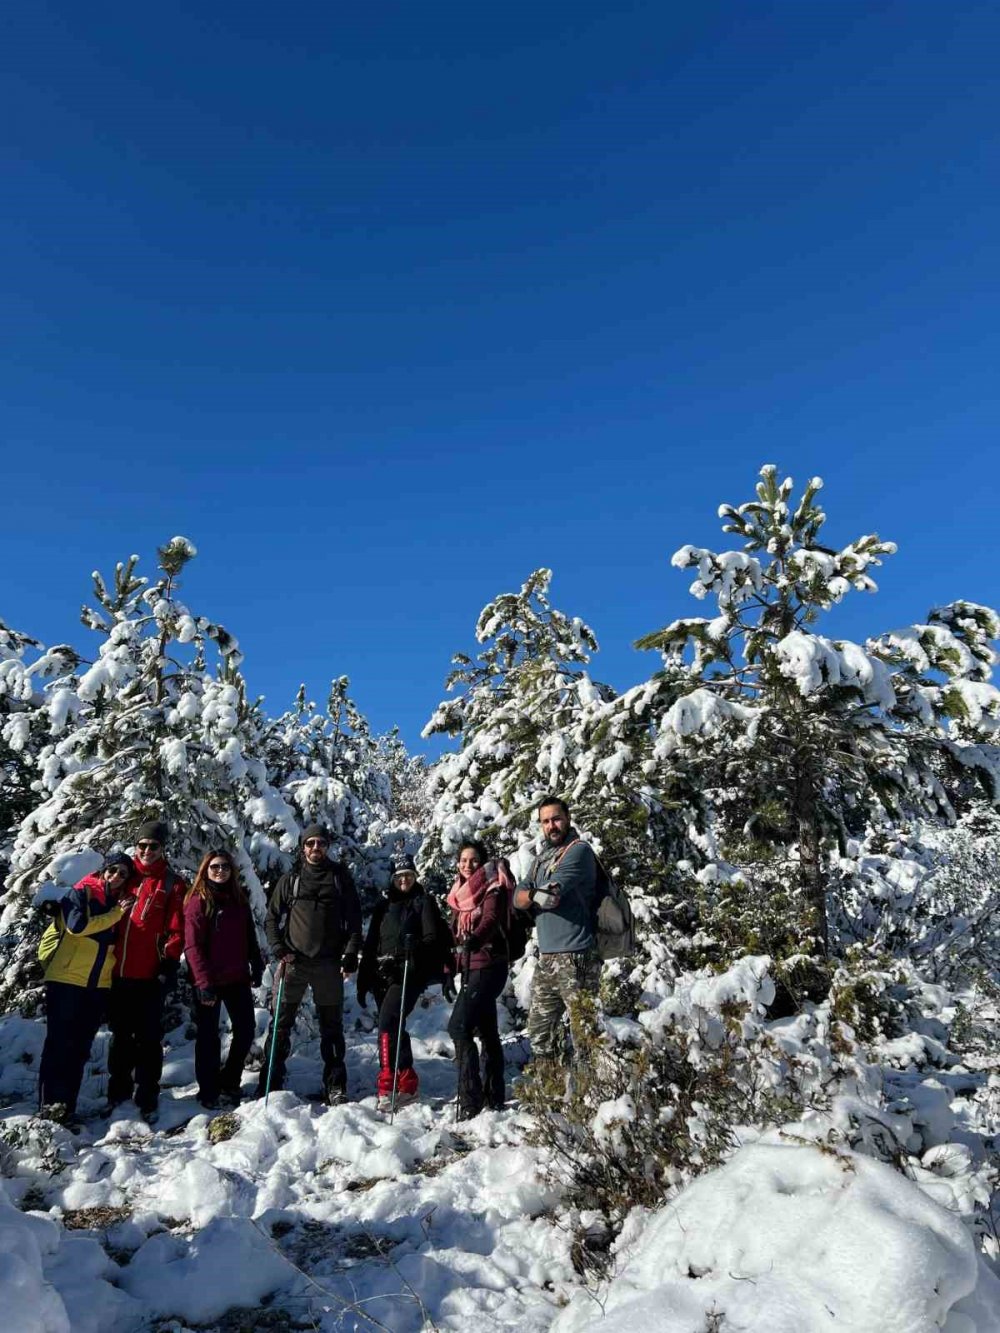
{"x":561,"y":980}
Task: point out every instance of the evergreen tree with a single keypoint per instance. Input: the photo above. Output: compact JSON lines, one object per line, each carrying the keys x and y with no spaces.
{"x":532,"y":722}
{"x":327,"y":767}
{"x":145,"y":730}
{"x":25,"y":722}
{"x":791,"y":738}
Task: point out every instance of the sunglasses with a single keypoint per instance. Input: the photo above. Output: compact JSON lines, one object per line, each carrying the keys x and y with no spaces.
{"x":147,"y":846}
{"x":315,"y":842}
{"x":118,"y":871}
{"x":220,"y":865}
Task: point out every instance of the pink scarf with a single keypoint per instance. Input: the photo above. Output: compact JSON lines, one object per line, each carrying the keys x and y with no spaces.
{"x":467,"y":896}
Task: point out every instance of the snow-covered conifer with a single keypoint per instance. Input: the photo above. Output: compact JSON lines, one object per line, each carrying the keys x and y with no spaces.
{"x":531,"y":721}
{"x":796,"y":739}
{"x":149,"y":727}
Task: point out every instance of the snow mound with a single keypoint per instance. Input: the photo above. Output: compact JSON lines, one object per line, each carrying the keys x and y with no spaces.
{"x":792,"y":1240}
{"x":30,"y":1304}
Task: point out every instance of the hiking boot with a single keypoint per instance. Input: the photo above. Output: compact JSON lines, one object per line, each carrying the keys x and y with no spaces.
{"x":230,"y":1100}
{"x":209,"y":1103}
{"x":335,"y":1097}
{"x":384,"y":1102}
{"x":58,"y":1112}
{"x":148,"y":1111}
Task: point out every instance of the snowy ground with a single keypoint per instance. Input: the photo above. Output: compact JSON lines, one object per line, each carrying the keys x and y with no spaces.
{"x":331,"y":1219}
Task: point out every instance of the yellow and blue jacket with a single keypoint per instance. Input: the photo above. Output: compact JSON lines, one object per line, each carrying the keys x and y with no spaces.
{"x":77,"y":947}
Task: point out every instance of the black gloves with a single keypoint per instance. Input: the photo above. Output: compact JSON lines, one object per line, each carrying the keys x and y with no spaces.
{"x":410,"y":947}
{"x":349,"y":963}
{"x":167,"y":974}
{"x":448,"y":988}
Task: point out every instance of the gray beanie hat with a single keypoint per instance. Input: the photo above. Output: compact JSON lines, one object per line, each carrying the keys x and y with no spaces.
{"x":153,"y":830}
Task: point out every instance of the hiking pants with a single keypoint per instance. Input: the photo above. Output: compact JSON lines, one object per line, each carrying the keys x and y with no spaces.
{"x":389,"y":1009}
{"x":323,"y":975}
{"x":213,"y":1079}
{"x":559,"y":979}
{"x":475,"y":1014}
{"x":73,"y":1015}
{"x":135,"y":1059}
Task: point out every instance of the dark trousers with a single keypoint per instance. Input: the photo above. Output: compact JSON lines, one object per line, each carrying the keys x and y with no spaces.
{"x":73,"y":1015}
{"x":390,"y":1007}
{"x":214,"y":1077}
{"x":323,"y":975}
{"x":135,"y":1060}
{"x":475,"y":1014}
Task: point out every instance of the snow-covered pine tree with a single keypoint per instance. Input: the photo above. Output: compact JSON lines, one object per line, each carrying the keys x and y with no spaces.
{"x":327,"y":767}
{"x":795,"y":740}
{"x":532,"y":722}
{"x":25,"y":719}
{"x":147,"y":729}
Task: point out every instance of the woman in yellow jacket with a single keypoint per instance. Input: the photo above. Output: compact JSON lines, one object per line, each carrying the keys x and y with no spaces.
{"x":78,"y":956}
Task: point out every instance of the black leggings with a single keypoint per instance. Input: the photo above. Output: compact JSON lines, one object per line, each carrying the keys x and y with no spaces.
{"x":475,"y":1014}
{"x":214,"y":1077}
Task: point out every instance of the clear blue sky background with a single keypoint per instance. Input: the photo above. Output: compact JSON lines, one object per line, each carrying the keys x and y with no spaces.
{"x":386,"y":305}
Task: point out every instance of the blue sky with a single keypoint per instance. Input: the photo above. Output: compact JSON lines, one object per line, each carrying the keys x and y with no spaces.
{"x":385,"y":306}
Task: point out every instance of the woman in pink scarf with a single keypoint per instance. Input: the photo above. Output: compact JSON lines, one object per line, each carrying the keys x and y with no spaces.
{"x":480,"y":901}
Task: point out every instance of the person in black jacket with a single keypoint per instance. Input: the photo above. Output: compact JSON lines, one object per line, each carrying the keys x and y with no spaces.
{"x":314,"y":931}
{"x":406,"y":928}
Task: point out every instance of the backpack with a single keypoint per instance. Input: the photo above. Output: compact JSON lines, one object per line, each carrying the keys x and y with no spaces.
{"x":614,"y":928}
{"x":441,"y":958}
{"x":517,"y":925}
{"x":51,"y":939}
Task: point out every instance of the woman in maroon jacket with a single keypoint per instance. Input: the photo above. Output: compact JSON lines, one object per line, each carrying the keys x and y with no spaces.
{"x":220,"y":944}
{"x":480,"y":901}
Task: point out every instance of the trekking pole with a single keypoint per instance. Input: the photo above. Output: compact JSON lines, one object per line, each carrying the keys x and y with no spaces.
{"x":399,"y":1037}
{"x":274,"y":1031}
{"x":466,"y":956}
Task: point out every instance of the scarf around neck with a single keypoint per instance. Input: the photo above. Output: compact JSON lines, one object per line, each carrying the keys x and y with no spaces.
{"x":467,"y":896}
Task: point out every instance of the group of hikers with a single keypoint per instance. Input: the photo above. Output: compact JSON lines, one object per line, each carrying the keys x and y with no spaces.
{"x":114,"y":949}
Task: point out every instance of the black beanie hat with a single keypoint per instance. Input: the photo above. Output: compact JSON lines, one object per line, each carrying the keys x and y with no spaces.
{"x":154,"y":830}
{"x":402,"y":864}
{"x":119,"y":859}
{"x":315,"y":831}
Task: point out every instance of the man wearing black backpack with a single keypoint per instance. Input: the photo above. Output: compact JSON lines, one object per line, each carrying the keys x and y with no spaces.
{"x":561,"y":891}
{"x":314,"y":931}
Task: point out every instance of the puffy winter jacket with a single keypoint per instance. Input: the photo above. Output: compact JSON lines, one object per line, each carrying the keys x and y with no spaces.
{"x":399,"y":917}
{"x":153,"y":929}
{"x":85,"y":926}
{"x":220,"y":945}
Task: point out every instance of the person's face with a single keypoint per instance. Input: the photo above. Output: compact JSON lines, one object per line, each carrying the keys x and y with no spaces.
{"x":220,"y":872}
{"x":115,"y":877}
{"x":468,"y":862}
{"x":148,"y":852}
{"x":404,"y":881}
{"x":315,"y":850}
{"x":555,"y":823}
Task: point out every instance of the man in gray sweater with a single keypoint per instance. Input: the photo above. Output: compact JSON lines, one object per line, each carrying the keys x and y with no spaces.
{"x":561,"y":892}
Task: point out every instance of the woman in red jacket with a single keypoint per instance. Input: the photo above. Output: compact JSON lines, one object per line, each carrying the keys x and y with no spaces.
{"x":480,"y":902}
{"x":220,"y":944}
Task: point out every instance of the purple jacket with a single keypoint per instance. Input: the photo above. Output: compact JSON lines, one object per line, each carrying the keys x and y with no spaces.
{"x":221,"y":947}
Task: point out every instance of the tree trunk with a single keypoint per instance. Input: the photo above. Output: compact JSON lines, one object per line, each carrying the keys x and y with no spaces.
{"x":810,"y":859}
